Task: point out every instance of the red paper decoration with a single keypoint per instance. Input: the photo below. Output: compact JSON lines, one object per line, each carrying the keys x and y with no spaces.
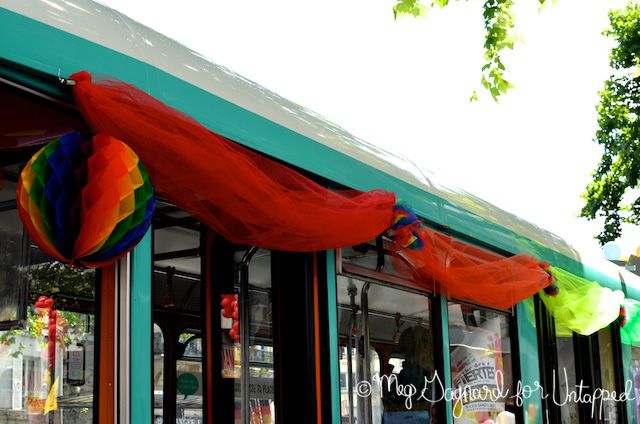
{"x":229,"y":305}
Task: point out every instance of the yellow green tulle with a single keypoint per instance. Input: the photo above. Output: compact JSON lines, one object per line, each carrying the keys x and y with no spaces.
{"x":630,"y":330}
{"x":581,"y":306}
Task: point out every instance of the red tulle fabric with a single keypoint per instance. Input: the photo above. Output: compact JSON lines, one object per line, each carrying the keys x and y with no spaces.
{"x":251,"y":199}
{"x":246,"y":197}
{"x":461,"y":271}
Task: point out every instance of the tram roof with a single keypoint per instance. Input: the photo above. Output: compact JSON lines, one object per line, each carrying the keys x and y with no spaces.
{"x":59,"y":37}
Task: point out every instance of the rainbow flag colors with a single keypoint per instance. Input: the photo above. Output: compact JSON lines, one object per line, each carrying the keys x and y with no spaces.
{"x":85,"y":201}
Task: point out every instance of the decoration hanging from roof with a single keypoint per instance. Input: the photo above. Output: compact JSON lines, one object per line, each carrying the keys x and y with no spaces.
{"x":267,"y":204}
{"x":240,"y":194}
{"x":581,"y":306}
{"x":462,"y":271}
{"x":229,"y":305}
{"x":86,"y":201}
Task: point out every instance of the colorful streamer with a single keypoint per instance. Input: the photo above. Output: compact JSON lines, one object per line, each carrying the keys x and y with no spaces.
{"x":85,"y":201}
{"x":404,"y":228}
{"x":581,"y":306}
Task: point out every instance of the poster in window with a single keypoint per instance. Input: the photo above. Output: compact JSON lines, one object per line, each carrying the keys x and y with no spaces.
{"x":76,"y":365}
{"x":474,"y":372}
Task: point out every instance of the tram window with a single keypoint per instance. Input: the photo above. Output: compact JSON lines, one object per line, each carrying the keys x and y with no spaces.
{"x":368,"y":257}
{"x":566,"y":374}
{"x":480,"y":350}
{"x":609,"y":412}
{"x":32,"y":121}
{"x":255,"y":280}
{"x":177,"y":300}
{"x":158,"y":370}
{"x":38,"y":384}
{"x":189,"y":377}
{"x":400,"y":352}
{"x":635,"y":377}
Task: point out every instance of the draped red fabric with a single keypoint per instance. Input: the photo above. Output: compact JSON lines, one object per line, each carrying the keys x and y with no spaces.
{"x":462,"y":271}
{"x":245,"y":197}
{"x":251,"y":199}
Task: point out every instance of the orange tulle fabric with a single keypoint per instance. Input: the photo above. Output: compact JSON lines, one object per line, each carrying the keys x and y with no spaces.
{"x":242,"y":195}
{"x":462,"y":271}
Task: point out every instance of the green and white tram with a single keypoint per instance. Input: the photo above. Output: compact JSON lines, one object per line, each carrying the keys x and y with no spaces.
{"x":325,"y":336}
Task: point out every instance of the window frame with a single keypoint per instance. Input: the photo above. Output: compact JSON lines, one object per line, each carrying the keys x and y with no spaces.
{"x":392,"y":281}
{"x":587,"y":360}
{"x":514,"y":346}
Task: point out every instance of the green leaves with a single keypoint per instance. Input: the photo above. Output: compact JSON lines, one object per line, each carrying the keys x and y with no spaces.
{"x":499,"y":26}
{"x":410,"y":7}
{"x":625,"y":30}
{"x":613,"y":194}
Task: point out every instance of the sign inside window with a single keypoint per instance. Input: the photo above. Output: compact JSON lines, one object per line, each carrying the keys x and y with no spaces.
{"x":76,"y":365}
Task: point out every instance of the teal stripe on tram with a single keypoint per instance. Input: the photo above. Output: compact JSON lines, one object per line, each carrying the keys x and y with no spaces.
{"x":529,"y":361}
{"x":334,"y":366}
{"x":141,"y":330}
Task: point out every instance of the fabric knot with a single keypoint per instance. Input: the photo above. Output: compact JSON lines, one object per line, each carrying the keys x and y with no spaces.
{"x":81,"y":76}
{"x":405,"y":226}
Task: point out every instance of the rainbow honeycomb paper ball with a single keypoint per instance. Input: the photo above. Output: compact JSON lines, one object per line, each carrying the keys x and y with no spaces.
{"x":85,"y":200}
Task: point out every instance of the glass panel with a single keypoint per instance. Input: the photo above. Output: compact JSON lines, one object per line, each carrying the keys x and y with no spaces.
{"x":608,"y":410}
{"x":260,"y":407}
{"x":158,"y":372}
{"x":345,"y":405}
{"x":635,"y":377}
{"x":12,"y":257}
{"x":529,"y":361}
{"x":30,"y":121}
{"x":400,"y":354}
{"x":189,"y":378}
{"x":566,"y":375}
{"x":47,"y":366}
{"x":177,"y":306}
{"x":480,"y":350}
{"x":365,"y":258}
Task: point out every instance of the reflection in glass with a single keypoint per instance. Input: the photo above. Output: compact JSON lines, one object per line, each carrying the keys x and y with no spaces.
{"x":189,"y":377}
{"x":257,"y":388}
{"x":12,"y":257}
{"x":400,"y":353}
{"x":158,"y":371}
{"x":566,"y":376}
{"x":608,"y":410}
{"x":480,"y":350}
{"x":635,"y":377}
{"x":47,"y":365}
{"x":177,"y":304}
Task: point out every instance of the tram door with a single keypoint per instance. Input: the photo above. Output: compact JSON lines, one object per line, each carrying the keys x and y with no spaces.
{"x":242,"y":356}
{"x":386,"y":350}
{"x":177,"y":316}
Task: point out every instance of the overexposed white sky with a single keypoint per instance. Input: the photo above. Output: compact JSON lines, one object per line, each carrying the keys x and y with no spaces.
{"x":405,"y":85}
